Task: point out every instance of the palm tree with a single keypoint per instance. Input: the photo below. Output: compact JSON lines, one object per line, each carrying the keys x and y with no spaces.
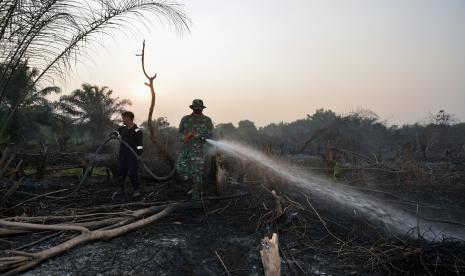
{"x":52,"y":34}
{"x":34,"y":111}
{"x":94,"y":108}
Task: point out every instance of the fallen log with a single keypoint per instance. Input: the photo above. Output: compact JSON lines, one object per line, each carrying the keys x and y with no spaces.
{"x":21,"y":261}
{"x":102,"y":229}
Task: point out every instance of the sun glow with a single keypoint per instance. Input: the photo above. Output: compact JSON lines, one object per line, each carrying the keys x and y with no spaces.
{"x":140,"y":92}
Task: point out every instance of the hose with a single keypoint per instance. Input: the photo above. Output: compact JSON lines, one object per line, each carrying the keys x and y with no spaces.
{"x":90,"y":167}
{"x":154,"y":176}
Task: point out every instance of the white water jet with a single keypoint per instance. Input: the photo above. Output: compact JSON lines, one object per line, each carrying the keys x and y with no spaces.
{"x":392,"y":218}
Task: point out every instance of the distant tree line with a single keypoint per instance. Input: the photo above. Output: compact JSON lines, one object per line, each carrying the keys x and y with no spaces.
{"x":361,"y":131}
{"x":88,"y":113}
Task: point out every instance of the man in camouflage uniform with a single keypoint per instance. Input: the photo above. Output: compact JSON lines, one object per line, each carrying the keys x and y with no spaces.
{"x":194,"y":129}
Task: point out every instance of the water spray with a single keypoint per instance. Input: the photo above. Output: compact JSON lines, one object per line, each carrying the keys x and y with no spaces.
{"x":393,"y":219}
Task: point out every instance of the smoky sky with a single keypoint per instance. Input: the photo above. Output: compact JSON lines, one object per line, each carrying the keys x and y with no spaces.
{"x":271,"y":61}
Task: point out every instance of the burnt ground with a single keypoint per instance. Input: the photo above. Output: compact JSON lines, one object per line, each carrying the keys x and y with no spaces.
{"x":189,"y":242}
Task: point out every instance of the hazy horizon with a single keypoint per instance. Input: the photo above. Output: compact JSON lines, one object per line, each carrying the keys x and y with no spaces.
{"x":268,"y":62}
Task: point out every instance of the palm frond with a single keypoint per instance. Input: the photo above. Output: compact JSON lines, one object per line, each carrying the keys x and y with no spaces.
{"x":51,"y":35}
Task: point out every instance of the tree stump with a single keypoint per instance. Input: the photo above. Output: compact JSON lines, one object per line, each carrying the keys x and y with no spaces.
{"x":270,"y":256}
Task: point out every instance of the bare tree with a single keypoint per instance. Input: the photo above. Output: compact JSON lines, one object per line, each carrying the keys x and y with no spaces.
{"x":150,"y":84}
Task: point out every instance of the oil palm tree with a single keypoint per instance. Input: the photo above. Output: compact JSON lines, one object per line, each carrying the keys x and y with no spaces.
{"x":34,"y":111}
{"x":52,"y":34}
{"x":93,"y":108}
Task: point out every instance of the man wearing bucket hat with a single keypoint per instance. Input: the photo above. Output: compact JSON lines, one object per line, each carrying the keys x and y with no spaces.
{"x":194,"y":129}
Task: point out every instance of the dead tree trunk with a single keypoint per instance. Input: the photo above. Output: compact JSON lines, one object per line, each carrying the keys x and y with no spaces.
{"x":218,"y":172}
{"x":152,"y":129}
{"x":21,"y":261}
{"x":42,"y":162}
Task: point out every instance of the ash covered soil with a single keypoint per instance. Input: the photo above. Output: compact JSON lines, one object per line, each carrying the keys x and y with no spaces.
{"x":225,"y":236}
{"x":182,"y":244}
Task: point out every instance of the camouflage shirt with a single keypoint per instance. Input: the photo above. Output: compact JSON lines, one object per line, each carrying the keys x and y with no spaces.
{"x":191,"y":159}
{"x":200,"y":125}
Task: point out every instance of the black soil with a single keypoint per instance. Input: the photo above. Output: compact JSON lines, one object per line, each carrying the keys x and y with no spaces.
{"x":193,"y":242}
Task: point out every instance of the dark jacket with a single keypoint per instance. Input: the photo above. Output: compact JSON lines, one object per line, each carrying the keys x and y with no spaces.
{"x":133,"y":137}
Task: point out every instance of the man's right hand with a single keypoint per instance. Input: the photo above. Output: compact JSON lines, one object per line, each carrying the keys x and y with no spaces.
{"x":187,"y":137}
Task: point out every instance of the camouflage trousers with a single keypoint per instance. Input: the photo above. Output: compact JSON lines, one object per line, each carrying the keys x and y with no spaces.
{"x":190,"y":165}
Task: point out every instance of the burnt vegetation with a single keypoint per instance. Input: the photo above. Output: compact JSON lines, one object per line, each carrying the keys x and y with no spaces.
{"x":57,"y":166}
{"x":417,"y":168}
